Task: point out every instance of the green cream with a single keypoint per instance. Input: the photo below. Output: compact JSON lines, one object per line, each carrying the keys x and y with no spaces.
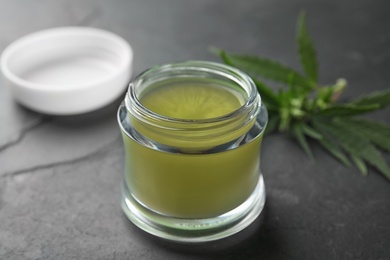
{"x":189,"y":185}
{"x":192,"y":101}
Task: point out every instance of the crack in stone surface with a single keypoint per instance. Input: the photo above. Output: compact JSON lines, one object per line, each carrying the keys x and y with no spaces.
{"x":99,"y":152}
{"x":24,"y":132}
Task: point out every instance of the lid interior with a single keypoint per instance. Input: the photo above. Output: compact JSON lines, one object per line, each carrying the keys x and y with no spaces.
{"x":65,"y":60}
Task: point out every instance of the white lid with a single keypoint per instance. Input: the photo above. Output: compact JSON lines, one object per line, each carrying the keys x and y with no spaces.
{"x":67,"y":70}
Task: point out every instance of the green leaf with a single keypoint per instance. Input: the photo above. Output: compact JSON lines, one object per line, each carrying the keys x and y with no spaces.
{"x":306,"y":110}
{"x":331,"y":146}
{"x":311,"y":132}
{"x":377,"y":133}
{"x":272,"y":124}
{"x":261,"y":67}
{"x":380,"y":98}
{"x":325,"y":93}
{"x":360,"y":164}
{"x":334,"y":150}
{"x":347,"y":110}
{"x":285,"y":119}
{"x":355,"y":143}
{"x":298,"y":132}
{"x":306,"y":50}
{"x":225,"y":57}
{"x":266,"y":93}
{"x":330,"y":94}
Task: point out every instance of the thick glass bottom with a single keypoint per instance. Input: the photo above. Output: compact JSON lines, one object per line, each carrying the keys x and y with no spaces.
{"x":195,"y":230}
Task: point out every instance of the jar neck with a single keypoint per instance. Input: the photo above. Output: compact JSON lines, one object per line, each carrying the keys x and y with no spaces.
{"x":193,"y":133}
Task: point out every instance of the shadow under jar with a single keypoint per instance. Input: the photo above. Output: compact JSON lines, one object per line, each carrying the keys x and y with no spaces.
{"x":192,"y":133}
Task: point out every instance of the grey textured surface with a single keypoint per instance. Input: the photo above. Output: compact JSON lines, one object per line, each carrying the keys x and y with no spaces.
{"x":60,"y":176}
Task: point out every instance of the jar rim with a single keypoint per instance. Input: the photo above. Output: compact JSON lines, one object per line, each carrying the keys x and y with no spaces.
{"x":226,"y":71}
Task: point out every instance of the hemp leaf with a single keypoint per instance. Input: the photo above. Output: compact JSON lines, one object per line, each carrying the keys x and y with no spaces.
{"x":306,"y":110}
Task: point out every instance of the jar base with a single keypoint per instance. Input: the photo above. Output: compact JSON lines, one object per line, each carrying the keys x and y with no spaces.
{"x":195,"y":230}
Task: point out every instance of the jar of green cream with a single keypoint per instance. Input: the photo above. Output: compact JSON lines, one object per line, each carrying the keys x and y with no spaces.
{"x":192,"y":133}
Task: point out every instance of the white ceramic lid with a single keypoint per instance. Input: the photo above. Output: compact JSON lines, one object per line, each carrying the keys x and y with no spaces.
{"x":67,"y":70}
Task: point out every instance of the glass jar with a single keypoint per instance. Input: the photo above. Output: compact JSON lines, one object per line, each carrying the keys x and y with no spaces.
{"x":192,"y":133}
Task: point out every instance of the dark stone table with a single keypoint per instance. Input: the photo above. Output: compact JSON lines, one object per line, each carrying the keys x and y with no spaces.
{"x":60,"y":176}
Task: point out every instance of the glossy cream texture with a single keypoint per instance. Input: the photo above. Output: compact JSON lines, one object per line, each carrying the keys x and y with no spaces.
{"x":191,"y":185}
{"x":192,"y":101}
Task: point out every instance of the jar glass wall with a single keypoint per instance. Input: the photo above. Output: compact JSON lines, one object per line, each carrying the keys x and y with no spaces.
{"x":192,"y":133}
